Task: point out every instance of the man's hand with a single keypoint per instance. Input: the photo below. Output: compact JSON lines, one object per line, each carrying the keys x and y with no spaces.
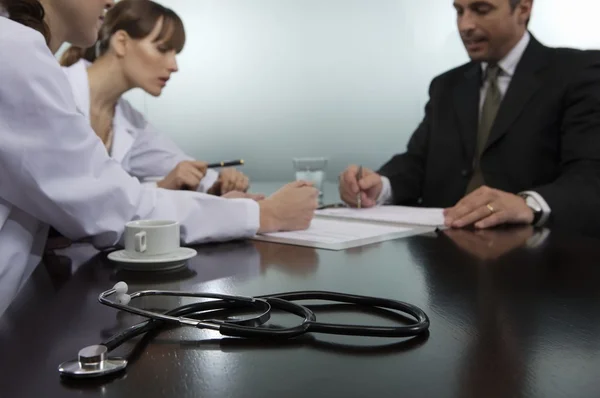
{"x":369,"y":187}
{"x":487,"y":207}
{"x":229,"y":180}
{"x":186,"y":175}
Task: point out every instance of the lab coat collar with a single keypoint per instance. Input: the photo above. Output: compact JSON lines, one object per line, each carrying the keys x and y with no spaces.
{"x":122,"y":128}
{"x":122,"y":135}
{"x":78,"y":77}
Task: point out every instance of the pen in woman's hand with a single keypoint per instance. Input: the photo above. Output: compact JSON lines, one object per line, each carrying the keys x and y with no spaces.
{"x":226,"y":164}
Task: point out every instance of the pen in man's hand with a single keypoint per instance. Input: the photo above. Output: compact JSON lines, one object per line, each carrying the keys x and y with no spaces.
{"x":358,"y":196}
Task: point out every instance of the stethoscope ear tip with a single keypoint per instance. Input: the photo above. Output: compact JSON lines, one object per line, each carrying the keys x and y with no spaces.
{"x":92,"y":362}
{"x":123,"y":299}
{"x":121,"y":288}
{"x":121,"y":295}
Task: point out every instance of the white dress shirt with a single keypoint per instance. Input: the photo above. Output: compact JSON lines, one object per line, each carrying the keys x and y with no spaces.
{"x":507,"y":65}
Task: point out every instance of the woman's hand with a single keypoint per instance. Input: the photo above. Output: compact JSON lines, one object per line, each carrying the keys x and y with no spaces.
{"x":229,"y":180}
{"x":186,"y":175}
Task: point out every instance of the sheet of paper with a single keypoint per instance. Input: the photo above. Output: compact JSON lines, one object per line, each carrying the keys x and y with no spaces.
{"x":390,"y":214}
{"x":336,"y":234}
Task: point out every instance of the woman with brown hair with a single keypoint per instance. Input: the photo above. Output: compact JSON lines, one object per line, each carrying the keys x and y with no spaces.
{"x":55,"y":171}
{"x":137,"y":46}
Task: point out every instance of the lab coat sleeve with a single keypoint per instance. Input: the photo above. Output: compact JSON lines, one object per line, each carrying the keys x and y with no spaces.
{"x":53,"y":167}
{"x":153,"y":154}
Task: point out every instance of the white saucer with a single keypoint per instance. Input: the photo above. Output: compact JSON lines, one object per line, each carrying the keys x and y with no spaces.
{"x":160,"y":262}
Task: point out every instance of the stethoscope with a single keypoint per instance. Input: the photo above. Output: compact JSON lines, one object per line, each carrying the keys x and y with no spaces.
{"x":93,"y":361}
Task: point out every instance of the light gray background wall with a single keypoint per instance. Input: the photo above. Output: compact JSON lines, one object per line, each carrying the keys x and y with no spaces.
{"x":267,"y":80}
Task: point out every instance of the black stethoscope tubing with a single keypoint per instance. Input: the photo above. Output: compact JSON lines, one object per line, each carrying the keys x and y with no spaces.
{"x":284,"y":301}
{"x":252,"y":327}
{"x":230,"y":327}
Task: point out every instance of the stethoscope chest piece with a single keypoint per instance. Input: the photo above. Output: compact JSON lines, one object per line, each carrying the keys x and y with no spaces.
{"x":92,"y":362}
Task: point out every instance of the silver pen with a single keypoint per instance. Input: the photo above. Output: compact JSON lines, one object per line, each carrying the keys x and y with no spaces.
{"x":358,"y":196}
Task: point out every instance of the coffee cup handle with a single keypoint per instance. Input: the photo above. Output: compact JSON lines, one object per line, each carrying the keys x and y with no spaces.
{"x":140,"y":242}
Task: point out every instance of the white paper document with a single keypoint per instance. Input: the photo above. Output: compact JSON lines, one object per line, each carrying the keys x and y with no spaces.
{"x":433,"y":217}
{"x":335,"y":234}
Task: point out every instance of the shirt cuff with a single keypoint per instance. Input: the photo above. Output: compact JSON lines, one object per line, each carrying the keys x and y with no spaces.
{"x":543,"y":205}
{"x":253,"y":219}
{"x":385,"y":197}
{"x":208,"y":181}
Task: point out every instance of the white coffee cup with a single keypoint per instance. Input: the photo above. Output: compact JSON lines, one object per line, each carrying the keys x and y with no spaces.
{"x":151,"y":237}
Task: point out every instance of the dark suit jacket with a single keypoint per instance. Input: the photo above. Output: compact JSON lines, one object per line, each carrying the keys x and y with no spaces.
{"x":546,"y":137}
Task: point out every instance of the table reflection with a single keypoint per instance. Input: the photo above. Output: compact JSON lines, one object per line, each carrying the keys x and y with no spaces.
{"x":295,"y":260}
{"x":490,"y":244}
{"x":509,"y":292}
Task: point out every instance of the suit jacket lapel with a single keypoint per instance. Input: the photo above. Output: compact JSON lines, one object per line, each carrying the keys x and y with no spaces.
{"x":524,"y":84}
{"x":466,"y":103}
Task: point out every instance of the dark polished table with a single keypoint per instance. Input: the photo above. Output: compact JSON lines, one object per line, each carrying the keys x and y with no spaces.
{"x":514,"y":313}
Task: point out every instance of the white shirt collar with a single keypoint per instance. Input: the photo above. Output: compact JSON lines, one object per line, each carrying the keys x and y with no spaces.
{"x":509,"y":63}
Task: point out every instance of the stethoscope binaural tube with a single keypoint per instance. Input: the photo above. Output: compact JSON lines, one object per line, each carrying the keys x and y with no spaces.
{"x":93,"y":361}
{"x":123,"y":299}
{"x":231,"y":328}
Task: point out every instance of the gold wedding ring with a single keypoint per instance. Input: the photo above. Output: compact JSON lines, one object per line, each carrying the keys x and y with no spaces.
{"x":490,"y":208}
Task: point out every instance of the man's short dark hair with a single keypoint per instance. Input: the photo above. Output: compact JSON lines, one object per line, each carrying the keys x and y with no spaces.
{"x":513,"y":5}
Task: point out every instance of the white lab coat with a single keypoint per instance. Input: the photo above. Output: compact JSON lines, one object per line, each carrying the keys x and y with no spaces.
{"x":141,"y":150}
{"x":55,"y":171}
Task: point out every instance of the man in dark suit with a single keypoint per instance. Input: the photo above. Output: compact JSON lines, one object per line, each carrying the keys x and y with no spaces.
{"x":511,"y":137}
